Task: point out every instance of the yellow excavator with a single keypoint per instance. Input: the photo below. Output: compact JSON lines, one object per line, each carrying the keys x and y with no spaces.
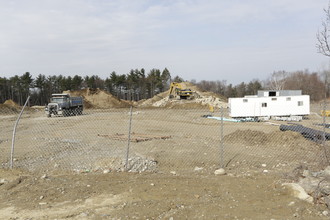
{"x":178,"y":90}
{"x":325,"y":113}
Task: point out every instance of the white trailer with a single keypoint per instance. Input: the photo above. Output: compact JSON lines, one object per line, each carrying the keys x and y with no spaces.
{"x":270,"y":104}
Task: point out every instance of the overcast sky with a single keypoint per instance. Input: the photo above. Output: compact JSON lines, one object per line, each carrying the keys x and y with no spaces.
{"x":237,"y":40}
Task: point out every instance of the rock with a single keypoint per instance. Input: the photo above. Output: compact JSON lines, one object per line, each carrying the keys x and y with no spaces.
{"x":306,"y":173}
{"x":265,"y":171}
{"x":83,"y":214}
{"x":327,"y":201}
{"x":325,"y":213}
{"x":106,"y":171}
{"x":291,"y":203}
{"x":43,"y":176}
{"x":173,"y":172}
{"x":325,"y":187}
{"x":198,"y":168}
{"x":263,"y":165}
{"x":3,"y":181}
{"x":220,"y":171}
{"x":310,"y":184}
{"x":297,"y":191}
{"x":326,"y":172}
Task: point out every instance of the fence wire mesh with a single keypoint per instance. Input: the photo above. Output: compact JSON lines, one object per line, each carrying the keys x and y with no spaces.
{"x":161,"y":140}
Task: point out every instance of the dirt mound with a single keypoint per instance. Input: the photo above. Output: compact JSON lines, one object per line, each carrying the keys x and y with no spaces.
{"x":96,"y":98}
{"x":251,"y":138}
{"x":201,"y":99}
{"x":9,"y":107}
{"x":11,"y":103}
{"x":151,"y":101}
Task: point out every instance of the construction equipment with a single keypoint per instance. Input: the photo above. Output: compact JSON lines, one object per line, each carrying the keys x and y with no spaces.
{"x":64,"y":104}
{"x":177,"y":90}
{"x":325,"y":113}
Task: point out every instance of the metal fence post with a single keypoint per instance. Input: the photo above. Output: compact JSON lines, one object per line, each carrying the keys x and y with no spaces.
{"x":326,"y":152}
{"x":14,"y":134}
{"x":221,"y":139}
{"x":129,"y":138}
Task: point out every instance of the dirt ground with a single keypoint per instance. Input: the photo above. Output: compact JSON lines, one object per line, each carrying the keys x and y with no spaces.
{"x":149,"y":196}
{"x":73,"y":167}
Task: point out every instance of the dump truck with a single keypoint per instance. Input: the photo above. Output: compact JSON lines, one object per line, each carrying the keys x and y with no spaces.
{"x":65,"y":105}
{"x":177,"y":90}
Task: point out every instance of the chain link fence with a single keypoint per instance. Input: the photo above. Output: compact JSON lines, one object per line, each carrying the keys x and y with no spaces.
{"x":176,"y":140}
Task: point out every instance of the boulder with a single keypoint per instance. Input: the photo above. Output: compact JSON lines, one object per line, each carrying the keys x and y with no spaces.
{"x":297,"y":191}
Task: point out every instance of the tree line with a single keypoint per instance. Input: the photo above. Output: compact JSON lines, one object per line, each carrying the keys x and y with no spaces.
{"x":139,"y":84}
{"x":135,"y":85}
{"x":314,"y":84}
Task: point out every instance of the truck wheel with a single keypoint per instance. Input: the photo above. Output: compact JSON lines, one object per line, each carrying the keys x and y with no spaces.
{"x":79,"y":111}
{"x":65,"y":113}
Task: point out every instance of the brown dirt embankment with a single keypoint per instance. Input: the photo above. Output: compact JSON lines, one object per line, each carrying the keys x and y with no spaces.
{"x":97,"y":98}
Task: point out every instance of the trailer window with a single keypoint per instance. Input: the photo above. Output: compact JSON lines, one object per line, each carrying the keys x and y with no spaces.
{"x":264,"y":104}
{"x":272,"y":93}
{"x":274,"y":99}
{"x":288,"y":98}
{"x":245,"y":100}
{"x":300,"y":103}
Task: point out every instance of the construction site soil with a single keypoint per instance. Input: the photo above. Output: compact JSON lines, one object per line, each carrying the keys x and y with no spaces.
{"x":180,"y":152}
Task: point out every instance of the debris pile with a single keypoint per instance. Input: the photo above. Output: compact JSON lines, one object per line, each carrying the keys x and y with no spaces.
{"x":138,"y":164}
{"x":134,"y":137}
{"x":96,"y":98}
{"x":311,"y":186}
{"x":135,"y":164}
{"x":150,"y":102}
{"x":200,"y":100}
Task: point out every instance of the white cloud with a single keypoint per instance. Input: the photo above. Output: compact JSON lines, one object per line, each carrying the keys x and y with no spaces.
{"x":198,"y":39}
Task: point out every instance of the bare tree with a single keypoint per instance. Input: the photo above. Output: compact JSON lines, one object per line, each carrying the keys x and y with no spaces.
{"x":325,"y":74}
{"x":323,"y":36}
{"x":277,"y":80}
